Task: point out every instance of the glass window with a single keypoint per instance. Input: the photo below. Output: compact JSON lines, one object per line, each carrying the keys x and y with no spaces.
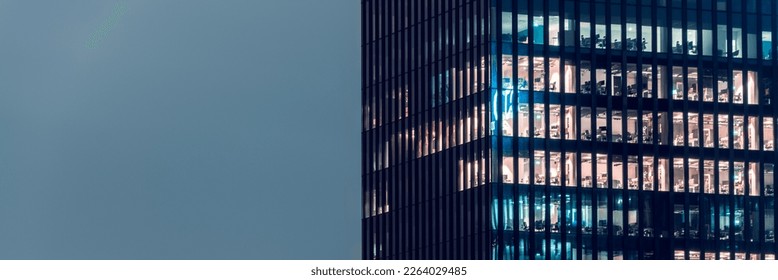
{"x":507,"y":170}
{"x":692,"y":78}
{"x":522,"y":81}
{"x":646,"y":218}
{"x":539,"y":119}
{"x":707,"y":34}
{"x":540,"y":168}
{"x":570,"y":169}
{"x":753,"y":179}
{"x":707,"y":177}
{"x":539,"y":71}
{"x":648,"y":128}
{"x":586,"y":170}
{"x":723,"y":122}
{"x":632,"y":173}
{"x":738,"y":133}
{"x":678,"y":87}
{"x":723,"y":86}
{"x":570,"y":76}
{"x":616,"y":42}
{"x":678,"y":131}
{"x":538,"y":27}
{"x":767,"y":36}
{"x":753,"y":133}
{"x":678,"y":175}
{"x":648,"y":173}
{"x":602,"y":171}
{"x":721,"y":5}
{"x":553,"y":30}
{"x":523,"y":169}
{"x":645,"y":31}
{"x":570,"y":117}
{"x":751,"y":32}
{"x":586,"y":213}
{"x":739,"y":224}
{"x":556,"y":219}
{"x":707,"y":130}
{"x":691,"y":33}
{"x":661,"y":79}
{"x":664,"y":175}
{"x":769,"y":222}
{"x":694,"y":175}
{"x":539,"y":222}
{"x":632,"y":214}
{"x":724,"y":177}
{"x":767,"y":125}
{"x":522,"y":28}
{"x":751,"y":6}
{"x":523,"y":120}
{"x":677,"y":32}
{"x":507,"y":27}
{"x":600,"y":76}
{"x":765,"y":83}
{"x":523,"y":211}
{"x":555,"y":172}
{"x":586,"y":37}
{"x":694,"y":228}
{"x":737,"y":37}
{"x":662,"y":127}
{"x":769,"y":179}
{"x":662,"y":36}
{"x":555,"y":121}
{"x":647,"y":85}
{"x":632,"y":37}
{"x":617,"y":172}
{"x":600,"y":36}
{"x":507,"y":209}
{"x":737,"y":84}
{"x":631,"y":135}
{"x":602,"y":218}
{"x":601,"y":130}
{"x":618,"y":215}
{"x":586,"y":124}
{"x":554,"y":81}
{"x":617,"y":77}
{"x":752,"y":87}
{"x":739,"y":178}
{"x":721,"y":42}
{"x":679,"y":224}
{"x":707,"y":85}
{"x":569,"y":25}
{"x":631,"y":72}
{"x":767,"y":6}
{"x":693,"y":123}
{"x":708,"y":221}
{"x":586,"y":78}
{"x":507,"y":96}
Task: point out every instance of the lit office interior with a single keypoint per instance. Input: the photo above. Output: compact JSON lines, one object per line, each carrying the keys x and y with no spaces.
{"x":609,"y":122}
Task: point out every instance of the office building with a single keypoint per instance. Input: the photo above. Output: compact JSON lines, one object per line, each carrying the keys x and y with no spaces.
{"x":560,"y":129}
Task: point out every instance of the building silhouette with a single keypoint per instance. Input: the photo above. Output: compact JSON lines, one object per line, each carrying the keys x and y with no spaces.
{"x":560,"y":129}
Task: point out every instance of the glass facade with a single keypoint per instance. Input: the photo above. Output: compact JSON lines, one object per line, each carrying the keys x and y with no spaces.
{"x":560,"y":129}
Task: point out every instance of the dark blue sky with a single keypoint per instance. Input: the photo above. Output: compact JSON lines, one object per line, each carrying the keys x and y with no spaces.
{"x":179,"y":129}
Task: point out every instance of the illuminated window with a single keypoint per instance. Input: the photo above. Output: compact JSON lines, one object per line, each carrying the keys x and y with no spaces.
{"x":570,"y":169}
{"x":540,"y":168}
{"x":724,"y":177}
{"x":709,"y":171}
{"x":767,"y":124}
{"x":679,"y":184}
